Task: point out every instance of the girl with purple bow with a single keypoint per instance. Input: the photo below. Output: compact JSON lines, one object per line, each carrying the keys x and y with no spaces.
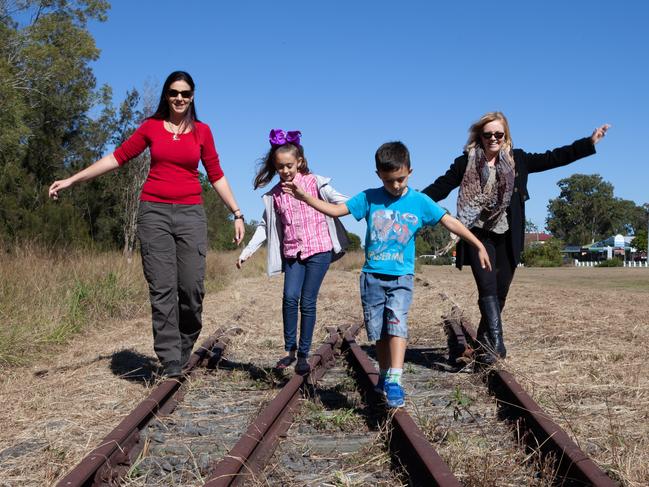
{"x":302,"y":242}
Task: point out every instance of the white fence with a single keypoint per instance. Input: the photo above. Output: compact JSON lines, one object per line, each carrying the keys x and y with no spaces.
{"x":628,"y":263}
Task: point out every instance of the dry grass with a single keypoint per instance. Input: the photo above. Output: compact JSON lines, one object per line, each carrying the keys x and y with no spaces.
{"x":575,"y":338}
{"x":46,"y":298}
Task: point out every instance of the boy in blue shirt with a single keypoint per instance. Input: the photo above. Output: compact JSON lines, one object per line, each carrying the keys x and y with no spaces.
{"x":394,"y":213}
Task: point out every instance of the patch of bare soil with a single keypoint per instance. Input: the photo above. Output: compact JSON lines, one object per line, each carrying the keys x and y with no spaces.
{"x":574,"y":345}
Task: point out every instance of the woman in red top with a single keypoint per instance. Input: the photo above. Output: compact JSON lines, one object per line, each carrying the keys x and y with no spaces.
{"x":172,"y":228}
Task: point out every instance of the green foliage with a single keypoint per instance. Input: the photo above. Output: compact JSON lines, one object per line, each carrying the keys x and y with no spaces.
{"x":354,"y":241}
{"x":544,"y":255}
{"x":431,"y":239}
{"x":640,"y":240}
{"x":220,"y":226}
{"x":46,"y":133}
{"x":614,"y":262}
{"x":586,"y":211}
{"x":441,"y":260}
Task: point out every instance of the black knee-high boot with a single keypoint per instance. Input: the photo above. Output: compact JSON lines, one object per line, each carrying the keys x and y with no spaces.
{"x":490,"y":331}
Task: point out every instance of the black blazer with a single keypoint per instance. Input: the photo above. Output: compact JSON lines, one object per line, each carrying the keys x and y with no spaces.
{"x":526,"y":163}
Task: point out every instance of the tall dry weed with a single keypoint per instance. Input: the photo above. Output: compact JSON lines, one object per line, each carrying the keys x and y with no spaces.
{"x":351,"y":261}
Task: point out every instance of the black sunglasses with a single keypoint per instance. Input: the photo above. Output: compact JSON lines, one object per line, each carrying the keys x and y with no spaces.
{"x":184,"y":93}
{"x":488,"y":135}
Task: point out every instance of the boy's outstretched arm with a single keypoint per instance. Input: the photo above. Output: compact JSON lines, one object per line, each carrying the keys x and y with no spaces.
{"x":330,"y":209}
{"x":454,"y":225}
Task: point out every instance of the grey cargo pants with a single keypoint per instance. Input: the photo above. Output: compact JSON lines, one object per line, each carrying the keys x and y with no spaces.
{"x":173,"y":240}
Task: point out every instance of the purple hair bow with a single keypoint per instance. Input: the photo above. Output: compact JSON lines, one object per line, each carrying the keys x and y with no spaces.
{"x":279,"y":137}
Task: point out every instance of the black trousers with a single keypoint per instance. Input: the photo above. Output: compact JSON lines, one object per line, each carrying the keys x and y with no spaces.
{"x":173,"y":240}
{"x":497,"y":281}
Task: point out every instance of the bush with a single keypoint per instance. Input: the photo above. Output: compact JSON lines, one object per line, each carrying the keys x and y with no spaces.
{"x":545,"y":255}
{"x":442,"y":260}
{"x":611,"y":263}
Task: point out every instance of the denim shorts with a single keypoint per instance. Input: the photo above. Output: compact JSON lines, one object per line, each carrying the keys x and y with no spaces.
{"x":386,"y":300}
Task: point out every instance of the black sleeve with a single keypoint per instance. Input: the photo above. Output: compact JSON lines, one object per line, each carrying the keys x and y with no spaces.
{"x":560,"y":156}
{"x":446,"y":183}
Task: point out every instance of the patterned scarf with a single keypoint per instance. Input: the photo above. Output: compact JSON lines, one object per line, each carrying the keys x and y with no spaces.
{"x":473,"y":201}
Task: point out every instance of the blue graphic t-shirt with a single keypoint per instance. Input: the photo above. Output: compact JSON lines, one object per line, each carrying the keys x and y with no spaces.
{"x":392,"y":223}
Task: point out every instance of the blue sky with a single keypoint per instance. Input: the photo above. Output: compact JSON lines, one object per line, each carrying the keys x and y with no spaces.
{"x":354,"y":74}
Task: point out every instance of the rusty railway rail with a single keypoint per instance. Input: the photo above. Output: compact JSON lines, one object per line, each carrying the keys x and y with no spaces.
{"x":248,"y":457}
{"x":408,"y":443}
{"x":573,"y":466}
{"x":111,"y":460}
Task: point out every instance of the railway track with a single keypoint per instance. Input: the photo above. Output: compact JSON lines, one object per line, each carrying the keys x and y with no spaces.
{"x":230,"y":427}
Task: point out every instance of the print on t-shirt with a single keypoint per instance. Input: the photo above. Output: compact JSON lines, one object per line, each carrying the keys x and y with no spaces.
{"x":390,"y":233}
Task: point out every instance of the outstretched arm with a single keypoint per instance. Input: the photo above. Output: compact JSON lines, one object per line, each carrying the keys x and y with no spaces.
{"x":330,"y":209}
{"x":454,"y":225}
{"x":102,"y":166}
{"x":565,"y":155}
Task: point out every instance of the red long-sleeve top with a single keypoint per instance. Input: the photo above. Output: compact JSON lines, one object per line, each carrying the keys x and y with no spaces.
{"x":173,"y":176}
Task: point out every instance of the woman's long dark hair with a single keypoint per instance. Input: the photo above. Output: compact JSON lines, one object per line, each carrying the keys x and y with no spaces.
{"x":266,"y":170}
{"x":162,"y":112}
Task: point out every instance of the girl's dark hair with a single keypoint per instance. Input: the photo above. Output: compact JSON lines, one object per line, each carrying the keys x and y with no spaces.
{"x":162,"y":112}
{"x":266,"y":168}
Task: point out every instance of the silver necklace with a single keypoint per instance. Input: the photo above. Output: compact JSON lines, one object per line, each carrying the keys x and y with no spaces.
{"x":175,"y":133}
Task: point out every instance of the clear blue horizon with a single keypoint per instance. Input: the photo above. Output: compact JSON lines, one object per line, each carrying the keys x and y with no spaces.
{"x":352,"y":75}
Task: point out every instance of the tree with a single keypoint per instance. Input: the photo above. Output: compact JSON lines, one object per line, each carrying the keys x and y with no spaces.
{"x":47,"y":88}
{"x":431,"y":240}
{"x":546,"y":255}
{"x":531,"y":227}
{"x":640,"y":241}
{"x":354,"y":241}
{"x":586,"y":210}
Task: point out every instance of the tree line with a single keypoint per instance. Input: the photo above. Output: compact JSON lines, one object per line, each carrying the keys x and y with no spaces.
{"x":56,"y":120}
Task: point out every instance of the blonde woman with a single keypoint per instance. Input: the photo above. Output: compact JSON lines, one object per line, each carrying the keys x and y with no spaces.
{"x":492,"y":177}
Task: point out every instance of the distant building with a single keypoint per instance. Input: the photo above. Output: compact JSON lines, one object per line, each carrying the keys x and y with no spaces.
{"x":536,"y":238}
{"x":615,"y":245}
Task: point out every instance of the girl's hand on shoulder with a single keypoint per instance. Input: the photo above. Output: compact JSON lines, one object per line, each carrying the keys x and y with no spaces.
{"x":599,"y":133}
{"x":289,"y":187}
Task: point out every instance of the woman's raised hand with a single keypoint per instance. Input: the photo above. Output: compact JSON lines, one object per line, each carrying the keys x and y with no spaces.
{"x":599,"y":133}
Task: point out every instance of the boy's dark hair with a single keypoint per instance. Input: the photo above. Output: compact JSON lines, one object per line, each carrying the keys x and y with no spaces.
{"x":392,"y":156}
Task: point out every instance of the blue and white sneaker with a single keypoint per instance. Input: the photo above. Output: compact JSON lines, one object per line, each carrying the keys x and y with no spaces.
{"x":379,"y":388}
{"x":396,"y":397}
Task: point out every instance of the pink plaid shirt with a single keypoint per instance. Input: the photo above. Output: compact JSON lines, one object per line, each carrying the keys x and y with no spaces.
{"x":305,"y":229}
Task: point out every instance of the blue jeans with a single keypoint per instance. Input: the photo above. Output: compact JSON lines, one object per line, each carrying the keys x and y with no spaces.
{"x":302,"y":280}
{"x":386,"y":302}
